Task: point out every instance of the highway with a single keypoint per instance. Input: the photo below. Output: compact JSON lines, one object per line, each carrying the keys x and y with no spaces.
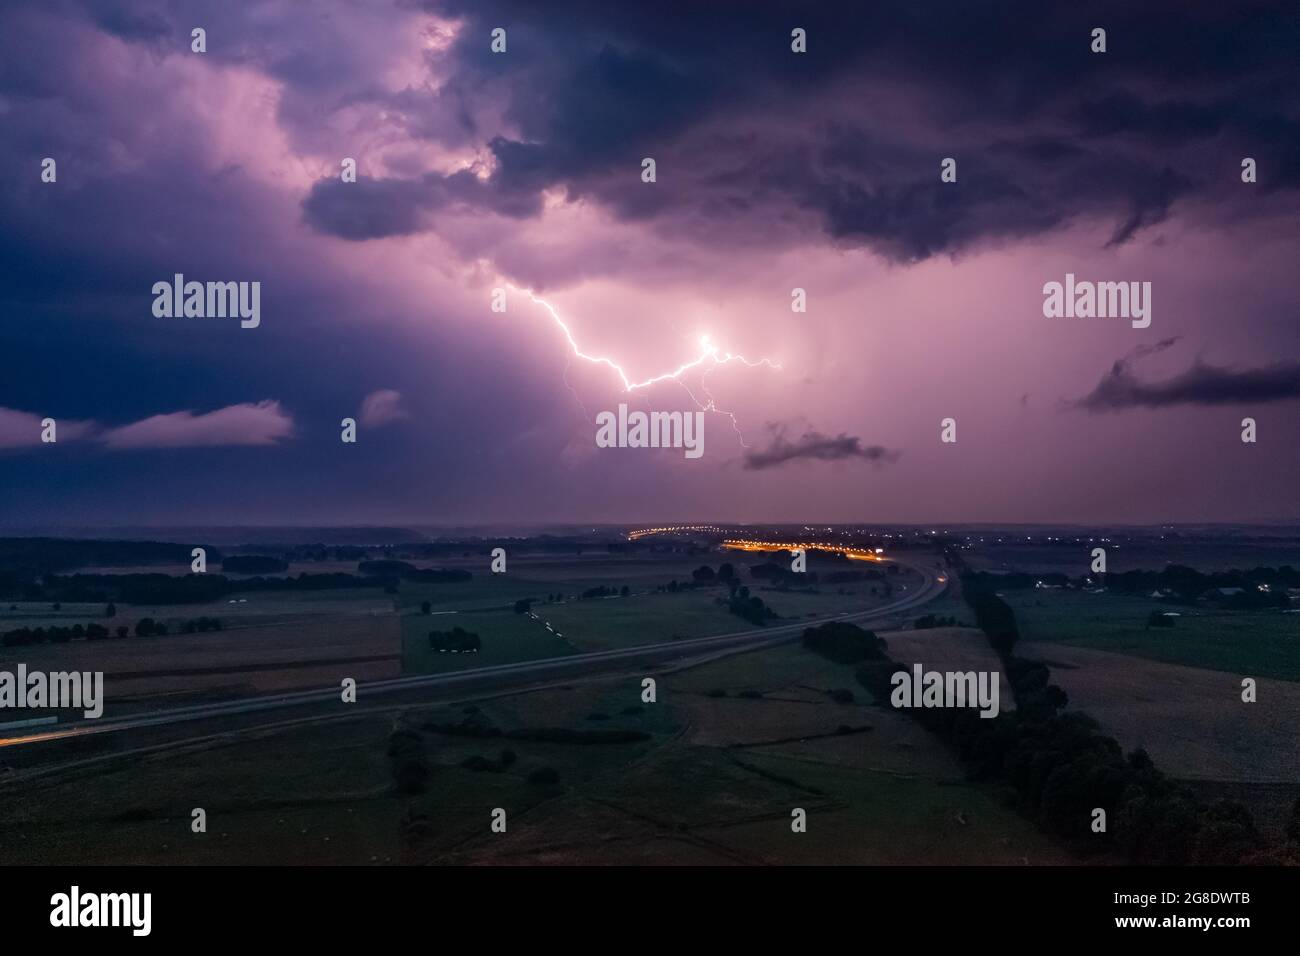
{"x":326,"y":703}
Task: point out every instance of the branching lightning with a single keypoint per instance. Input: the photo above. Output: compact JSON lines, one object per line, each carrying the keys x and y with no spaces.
{"x":709,"y":358}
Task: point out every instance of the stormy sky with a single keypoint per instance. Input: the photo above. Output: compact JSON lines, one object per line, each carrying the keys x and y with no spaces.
{"x":522,"y":171}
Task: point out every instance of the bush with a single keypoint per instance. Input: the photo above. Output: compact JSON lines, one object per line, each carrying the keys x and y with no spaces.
{"x":844,"y":643}
{"x":405,"y":743}
{"x":547,"y":776}
{"x":927,"y":621}
{"x":1293,"y":824}
{"x":566,"y":735}
{"x":411,"y":776}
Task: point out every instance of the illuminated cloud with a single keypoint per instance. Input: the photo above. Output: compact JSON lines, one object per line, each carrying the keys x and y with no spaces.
{"x":23,"y":429}
{"x":382,"y":408}
{"x":263,"y":423}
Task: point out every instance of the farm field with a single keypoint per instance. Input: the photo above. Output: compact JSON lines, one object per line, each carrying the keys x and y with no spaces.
{"x":949,"y":649}
{"x":1192,"y":721}
{"x":1258,"y":643}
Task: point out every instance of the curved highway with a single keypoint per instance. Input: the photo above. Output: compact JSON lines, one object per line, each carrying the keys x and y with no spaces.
{"x":476,"y":680}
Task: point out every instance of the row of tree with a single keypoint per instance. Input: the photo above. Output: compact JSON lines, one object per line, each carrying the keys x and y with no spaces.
{"x":153,"y":589}
{"x":145,"y":627}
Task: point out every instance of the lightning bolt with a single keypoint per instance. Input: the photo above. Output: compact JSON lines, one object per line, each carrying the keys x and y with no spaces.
{"x":710,"y":357}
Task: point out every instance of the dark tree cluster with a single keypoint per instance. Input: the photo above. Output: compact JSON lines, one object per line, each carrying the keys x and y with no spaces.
{"x":781,"y":576}
{"x":844,"y":643}
{"x":153,"y":589}
{"x":457,"y":640}
{"x":750,"y":607}
{"x":406,"y":753}
{"x":36,"y":556}
{"x":601,"y":591}
{"x":145,"y":627}
{"x":928,"y":621}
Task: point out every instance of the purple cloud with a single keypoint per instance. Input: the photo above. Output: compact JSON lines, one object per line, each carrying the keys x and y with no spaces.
{"x":22,"y":429}
{"x":812,"y":445}
{"x":263,"y":423}
{"x":1201,"y":384}
{"x":382,"y":408}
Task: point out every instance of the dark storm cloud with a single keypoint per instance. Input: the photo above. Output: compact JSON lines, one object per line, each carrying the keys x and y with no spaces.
{"x":128,"y":22}
{"x":375,"y":208}
{"x":366,"y":209}
{"x":594,"y":87}
{"x":1202,"y":384}
{"x":1175,"y":120}
{"x":172,"y":161}
{"x":812,"y":445}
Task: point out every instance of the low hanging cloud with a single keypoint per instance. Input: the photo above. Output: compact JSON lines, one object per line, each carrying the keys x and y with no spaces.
{"x":812,"y":445}
{"x":1202,"y":384}
{"x":382,"y":407}
{"x":260,"y":423}
{"x":23,"y":429}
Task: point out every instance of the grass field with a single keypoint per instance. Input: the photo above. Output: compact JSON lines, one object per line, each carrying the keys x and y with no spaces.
{"x":319,"y":795}
{"x":1192,"y":721}
{"x":715,"y":782}
{"x":1259,"y":643}
{"x":242,"y":660}
{"x":641,"y":619}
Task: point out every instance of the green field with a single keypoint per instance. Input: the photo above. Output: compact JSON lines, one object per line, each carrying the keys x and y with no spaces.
{"x":642,"y":619}
{"x":1260,"y":643}
{"x":506,"y":637}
